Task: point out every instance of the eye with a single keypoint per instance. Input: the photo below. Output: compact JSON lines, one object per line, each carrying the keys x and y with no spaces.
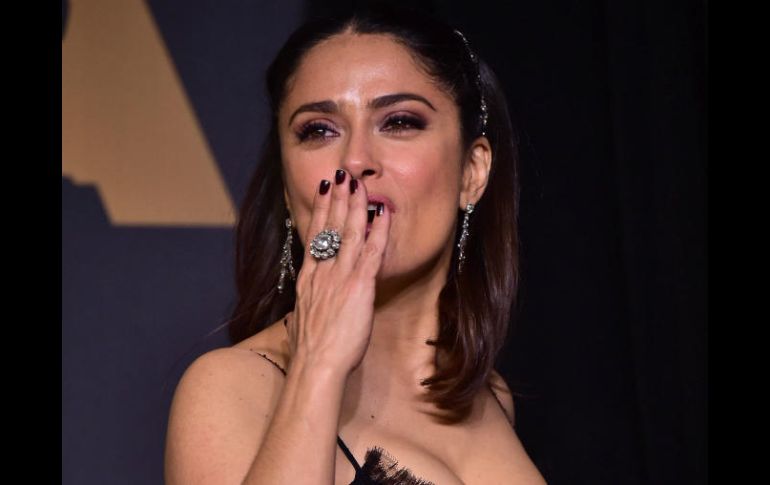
{"x":399,"y":123}
{"x":314,"y":130}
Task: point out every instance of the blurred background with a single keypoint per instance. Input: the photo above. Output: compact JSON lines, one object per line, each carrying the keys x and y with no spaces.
{"x":163,"y":115}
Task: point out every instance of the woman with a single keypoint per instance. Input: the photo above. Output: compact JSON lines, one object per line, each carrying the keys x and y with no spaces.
{"x":378,"y":241}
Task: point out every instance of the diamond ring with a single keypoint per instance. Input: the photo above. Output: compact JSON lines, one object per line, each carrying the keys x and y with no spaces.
{"x":326,"y":244}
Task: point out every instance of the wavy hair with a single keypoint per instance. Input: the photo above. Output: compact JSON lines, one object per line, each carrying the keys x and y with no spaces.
{"x":475,"y":306}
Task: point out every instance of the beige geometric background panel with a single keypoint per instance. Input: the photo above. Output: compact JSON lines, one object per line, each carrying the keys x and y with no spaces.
{"x":127,"y":125}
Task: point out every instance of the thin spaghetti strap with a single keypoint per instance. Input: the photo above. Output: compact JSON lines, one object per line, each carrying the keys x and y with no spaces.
{"x":500,"y":403}
{"x":351,"y":458}
{"x":271,"y":361}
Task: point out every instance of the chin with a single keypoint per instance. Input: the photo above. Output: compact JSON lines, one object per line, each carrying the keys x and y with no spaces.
{"x":395,"y":275}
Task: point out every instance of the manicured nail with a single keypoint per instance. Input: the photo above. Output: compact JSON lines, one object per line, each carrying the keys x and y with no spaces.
{"x":380,"y":209}
{"x":353,"y":185}
{"x":370,"y":216}
{"x":325,"y":184}
{"x":339,"y":176}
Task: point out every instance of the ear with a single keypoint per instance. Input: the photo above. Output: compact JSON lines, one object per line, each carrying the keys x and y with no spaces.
{"x":476,"y":172}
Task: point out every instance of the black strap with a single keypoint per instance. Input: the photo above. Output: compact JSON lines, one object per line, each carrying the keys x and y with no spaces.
{"x":272,"y":361}
{"x":345,"y":449}
{"x":347,"y":452}
{"x":500,"y":403}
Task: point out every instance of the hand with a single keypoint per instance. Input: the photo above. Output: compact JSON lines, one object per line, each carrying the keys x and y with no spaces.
{"x":334,"y":312}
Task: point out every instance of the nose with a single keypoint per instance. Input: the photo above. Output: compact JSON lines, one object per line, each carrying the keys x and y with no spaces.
{"x":358,"y":157}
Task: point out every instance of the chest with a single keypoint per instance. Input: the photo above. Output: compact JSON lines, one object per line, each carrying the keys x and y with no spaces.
{"x":484,"y":450}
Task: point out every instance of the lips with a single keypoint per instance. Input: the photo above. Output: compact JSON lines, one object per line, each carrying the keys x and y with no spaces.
{"x":379,"y":198}
{"x":373,"y":200}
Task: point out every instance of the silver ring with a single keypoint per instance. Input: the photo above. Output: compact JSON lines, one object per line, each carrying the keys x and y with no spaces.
{"x":326,"y":244}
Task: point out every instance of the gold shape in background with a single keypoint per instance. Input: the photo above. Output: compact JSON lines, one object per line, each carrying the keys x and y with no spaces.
{"x":127,"y":125}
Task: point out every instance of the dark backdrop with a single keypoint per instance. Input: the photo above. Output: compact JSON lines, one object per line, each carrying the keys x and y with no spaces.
{"x":609,"y":348}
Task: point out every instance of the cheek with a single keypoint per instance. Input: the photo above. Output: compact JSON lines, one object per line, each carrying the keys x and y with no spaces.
{"x":301,"y":187}
{"x":432,"y":176}
{"x":430,"y":182}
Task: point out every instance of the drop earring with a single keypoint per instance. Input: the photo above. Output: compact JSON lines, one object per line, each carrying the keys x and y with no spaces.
{"x":287,"y":265}
{"x":464,"y":238}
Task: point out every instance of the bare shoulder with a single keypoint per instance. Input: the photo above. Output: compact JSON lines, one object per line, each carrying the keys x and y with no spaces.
{"x":503,"y":393}
{"x":271,"y":342}
{"x":238,"y":370}
{"x":221,"y":409}
{"x":221,"y":372}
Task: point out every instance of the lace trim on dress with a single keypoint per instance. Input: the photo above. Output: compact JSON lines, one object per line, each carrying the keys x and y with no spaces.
{"x":383,"y":469}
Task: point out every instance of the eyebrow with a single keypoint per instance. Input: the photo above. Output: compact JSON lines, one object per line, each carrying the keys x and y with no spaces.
{"x":330,"y":107}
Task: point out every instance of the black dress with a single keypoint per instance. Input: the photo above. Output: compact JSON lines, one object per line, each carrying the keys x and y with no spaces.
{"x":380,"y":468}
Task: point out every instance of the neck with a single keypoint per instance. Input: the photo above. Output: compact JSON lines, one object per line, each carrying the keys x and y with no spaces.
{"x":405,"y":316}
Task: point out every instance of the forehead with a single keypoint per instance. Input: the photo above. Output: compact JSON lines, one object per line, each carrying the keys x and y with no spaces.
{"x":352,"y":68}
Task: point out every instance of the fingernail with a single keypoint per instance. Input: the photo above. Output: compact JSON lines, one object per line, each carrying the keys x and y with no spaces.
{"x":325,"y":184}
{"x":380,"y":208}
{"x":353,"y":186}
{"x":339,"y":176}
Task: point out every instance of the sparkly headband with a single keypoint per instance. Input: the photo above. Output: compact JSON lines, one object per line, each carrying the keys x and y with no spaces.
{"x":475,"y":60}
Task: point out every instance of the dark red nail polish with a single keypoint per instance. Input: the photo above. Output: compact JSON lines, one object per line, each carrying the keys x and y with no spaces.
{"x":353,"y":186}
{"x":380,"y":209}
{"x":339,"y":176}
{"x":325,"y":184}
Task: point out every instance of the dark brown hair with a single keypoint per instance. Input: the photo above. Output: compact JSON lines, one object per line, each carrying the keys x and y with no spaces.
{"x":474,"y":306}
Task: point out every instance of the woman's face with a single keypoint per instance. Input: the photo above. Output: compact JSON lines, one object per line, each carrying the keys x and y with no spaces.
{"x":408,"y":151}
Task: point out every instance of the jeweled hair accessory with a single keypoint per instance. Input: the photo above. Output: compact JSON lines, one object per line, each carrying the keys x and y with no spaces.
{"x":483,"y":108}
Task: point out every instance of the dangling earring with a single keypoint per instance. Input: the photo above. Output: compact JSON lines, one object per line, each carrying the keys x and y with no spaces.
{"x":286,"y":261}
{"x":464,"y":238}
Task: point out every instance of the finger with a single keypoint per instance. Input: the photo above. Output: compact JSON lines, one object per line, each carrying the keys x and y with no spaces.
{"x":374,"y":249}
{"x":321,"y":205}
{"x":354,"y":231}
{"x":339,"y":202}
